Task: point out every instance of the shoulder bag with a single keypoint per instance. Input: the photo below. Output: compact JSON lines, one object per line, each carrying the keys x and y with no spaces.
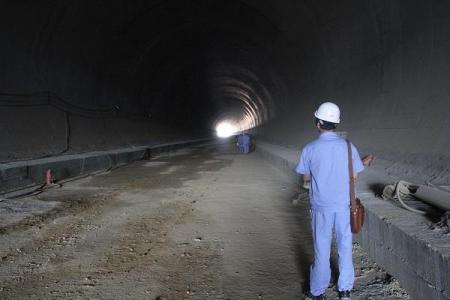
{"x":356,"y":207}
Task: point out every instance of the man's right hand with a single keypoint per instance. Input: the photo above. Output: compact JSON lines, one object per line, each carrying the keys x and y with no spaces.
{"x":367,"y":160}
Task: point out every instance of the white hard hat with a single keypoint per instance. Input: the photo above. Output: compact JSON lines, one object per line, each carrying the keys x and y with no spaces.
{"x":328,"y":112}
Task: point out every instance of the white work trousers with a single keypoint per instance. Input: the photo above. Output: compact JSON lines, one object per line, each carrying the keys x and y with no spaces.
{"x":322,"y":230}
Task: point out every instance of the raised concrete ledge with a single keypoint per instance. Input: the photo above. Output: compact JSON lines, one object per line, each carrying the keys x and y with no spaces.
{"x":398,"y":240}
{"x":20,"y":174}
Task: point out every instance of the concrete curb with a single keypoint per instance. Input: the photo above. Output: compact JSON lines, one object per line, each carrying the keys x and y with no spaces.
{"x":21,"y":174}
{"x":398,"y":240}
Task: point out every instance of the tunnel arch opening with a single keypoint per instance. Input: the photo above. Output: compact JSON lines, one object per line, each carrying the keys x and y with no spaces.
{"x":210,"y":67}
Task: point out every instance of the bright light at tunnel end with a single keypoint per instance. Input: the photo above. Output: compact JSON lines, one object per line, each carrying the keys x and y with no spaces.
{"x":226,"y":129}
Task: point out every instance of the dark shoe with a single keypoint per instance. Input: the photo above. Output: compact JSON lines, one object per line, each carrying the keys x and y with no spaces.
{"x":344,"y":295}
{"x":309,"y":296}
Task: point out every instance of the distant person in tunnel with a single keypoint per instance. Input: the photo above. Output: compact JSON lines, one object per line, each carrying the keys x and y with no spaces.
{"x":243,"y":143}
{"x":239,"y":142}
{"x":324,"y":165}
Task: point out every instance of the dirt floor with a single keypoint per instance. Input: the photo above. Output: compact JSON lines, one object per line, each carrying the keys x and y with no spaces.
{"x":200,"y":223}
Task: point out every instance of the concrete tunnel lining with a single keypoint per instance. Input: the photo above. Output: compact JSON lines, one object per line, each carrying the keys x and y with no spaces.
{"x":135,"y":60}
{"x":123,"y":74}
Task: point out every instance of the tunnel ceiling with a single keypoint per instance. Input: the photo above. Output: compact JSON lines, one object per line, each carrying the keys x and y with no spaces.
{"x":202,"y":59}
{"x":186,"y":63}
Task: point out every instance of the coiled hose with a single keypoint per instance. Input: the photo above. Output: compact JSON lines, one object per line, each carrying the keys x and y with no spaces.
{"x":400,"y":191}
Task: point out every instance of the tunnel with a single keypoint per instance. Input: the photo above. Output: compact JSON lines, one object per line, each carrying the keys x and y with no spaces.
{"x":95,"y":86}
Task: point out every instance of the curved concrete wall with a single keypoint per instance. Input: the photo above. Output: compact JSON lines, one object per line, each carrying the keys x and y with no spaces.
{"x":150,"y":71}
{"x":386,"y":64}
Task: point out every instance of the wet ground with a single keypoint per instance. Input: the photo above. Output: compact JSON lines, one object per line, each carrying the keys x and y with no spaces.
{"x":200,"y":223}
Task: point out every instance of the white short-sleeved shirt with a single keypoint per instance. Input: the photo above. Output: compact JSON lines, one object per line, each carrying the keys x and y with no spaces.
{"x":326,"y":161}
